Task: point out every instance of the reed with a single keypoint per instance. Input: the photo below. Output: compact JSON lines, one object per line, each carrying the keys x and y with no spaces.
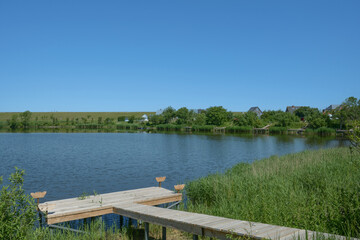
{"x":278,"y":130}
{"x":239,"y":129}
{"x":314,"y":190}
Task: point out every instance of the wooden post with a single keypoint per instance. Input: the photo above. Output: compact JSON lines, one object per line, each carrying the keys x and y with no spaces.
{"x":179,"y":187}
{"x":160,"y":180}
{"x":146,"y":231}
{"x":121,"y":221}
{"x":163,"y":233}
{"x":37,"y":196}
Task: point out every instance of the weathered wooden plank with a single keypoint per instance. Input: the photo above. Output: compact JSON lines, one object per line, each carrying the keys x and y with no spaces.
{"x":79,"y":215}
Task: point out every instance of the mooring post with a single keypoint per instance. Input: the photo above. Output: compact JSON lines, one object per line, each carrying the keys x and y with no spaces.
{"x":163,"y":233}
{"x":37,"y":196}
{"x":195,"y":237}
{"x":160,"y":180}
{"x":146,"y":231}
{"x":179,"y":187}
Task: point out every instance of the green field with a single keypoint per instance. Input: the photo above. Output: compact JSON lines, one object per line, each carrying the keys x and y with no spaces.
{"x":72,"y":115}
{"x":313,"y":190}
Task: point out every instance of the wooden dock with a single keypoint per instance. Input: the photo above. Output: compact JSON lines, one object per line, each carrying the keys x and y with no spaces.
{"x":140,"y":204}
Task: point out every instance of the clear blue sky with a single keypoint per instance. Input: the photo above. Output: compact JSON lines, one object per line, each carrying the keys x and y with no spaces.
{"x":146,"y":55}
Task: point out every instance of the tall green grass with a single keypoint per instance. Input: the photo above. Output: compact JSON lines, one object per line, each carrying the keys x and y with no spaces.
{"x":278,"y":130}
{"x":239,"y":129}
{"x":203,"y":128}
{"x":168,"y":127}
{"x":313,"y":190}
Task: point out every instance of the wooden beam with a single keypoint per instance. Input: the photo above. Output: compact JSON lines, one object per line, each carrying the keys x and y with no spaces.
{"x":52,"y":219}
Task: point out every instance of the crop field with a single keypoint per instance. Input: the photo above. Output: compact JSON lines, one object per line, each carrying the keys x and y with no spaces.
{"x":72,"y":115}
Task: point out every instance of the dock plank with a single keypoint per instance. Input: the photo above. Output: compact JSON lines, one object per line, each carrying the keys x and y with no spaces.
{"x":138,"y":204}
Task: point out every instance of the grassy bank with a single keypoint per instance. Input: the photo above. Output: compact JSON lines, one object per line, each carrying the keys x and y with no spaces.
{"x":314,"y":190}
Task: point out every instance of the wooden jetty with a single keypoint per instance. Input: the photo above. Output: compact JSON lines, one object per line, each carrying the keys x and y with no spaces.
{"x":140,"y":204}
{"x":262,"y":130}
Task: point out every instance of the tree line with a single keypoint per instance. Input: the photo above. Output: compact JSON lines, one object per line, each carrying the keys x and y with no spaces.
{"x":343,"y":117}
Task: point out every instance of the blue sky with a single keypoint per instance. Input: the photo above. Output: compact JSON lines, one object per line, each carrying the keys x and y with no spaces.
{"x":146,"y":55}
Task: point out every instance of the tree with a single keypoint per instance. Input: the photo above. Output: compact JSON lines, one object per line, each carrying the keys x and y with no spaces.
{"x":305,"y":112}
{"x":354,"y":136}
{"x":169,"y":114}
{"x":25,"y":119}
{"x":13,"y":122}
{"x":18,"y":210}
{"x":216,"y":115}
{"x":183,"y":116}
{"x":200,"y":119}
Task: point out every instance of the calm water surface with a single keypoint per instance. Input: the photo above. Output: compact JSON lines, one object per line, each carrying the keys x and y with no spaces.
{"x":67,"y":164}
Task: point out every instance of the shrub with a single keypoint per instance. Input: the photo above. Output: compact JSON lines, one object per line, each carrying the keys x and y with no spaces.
{"x":17,"y":209}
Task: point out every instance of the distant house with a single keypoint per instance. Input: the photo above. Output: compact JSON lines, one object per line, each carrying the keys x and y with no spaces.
{"x":256,"y":110}
{"x":331,"y":108}
{"x":198,"y":110}
{"x":159,"y":112}
{"x":144,"y":118}
{"x":126,"y":119}
{"x":292,"y":109}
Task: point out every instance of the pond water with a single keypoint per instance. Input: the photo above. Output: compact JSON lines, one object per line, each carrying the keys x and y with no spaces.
{"x":68,"y":164}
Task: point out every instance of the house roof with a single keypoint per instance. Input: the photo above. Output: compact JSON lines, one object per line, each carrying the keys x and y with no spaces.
{"x":292,"y":109}
{"x":332,"y":107}
{"x":255,"y":109}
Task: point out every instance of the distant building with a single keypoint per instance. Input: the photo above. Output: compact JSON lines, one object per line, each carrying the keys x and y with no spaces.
{"x":159,"y":112}
{"x":256,"y":110}
{"x":126,"y":119}
{"x":292,"y":109}
{"x":330,"y":108}
{"x":144,"y":118}
{"x":198,"y":110}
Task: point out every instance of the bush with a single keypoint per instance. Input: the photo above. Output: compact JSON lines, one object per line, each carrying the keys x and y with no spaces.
{"x":17,"y":209}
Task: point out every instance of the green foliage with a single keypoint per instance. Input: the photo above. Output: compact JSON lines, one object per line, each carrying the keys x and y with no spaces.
{"x":17,"y":209}
{"x":305,"y":112}
{"x":277,"y":130}
{"x":248,"y":119}
{"x":216,"y":116}
{"x":354,"y":136}
{"x":314,"y":190}
{"x":121,"y":119}
{"x":239,"y":129}
{"x":168,"y":127}
{"x":25,"y":119}
{"x":279,"y":118}
{"x":202,"y":128}
{"x":183,"y":116}
{"x":13,"y":122}
{"x":324,"y":131}
{"x":83,"y":196}
{"x":169,"y":115}
{"x":200,"y":119}
{"x":131,"y":119}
